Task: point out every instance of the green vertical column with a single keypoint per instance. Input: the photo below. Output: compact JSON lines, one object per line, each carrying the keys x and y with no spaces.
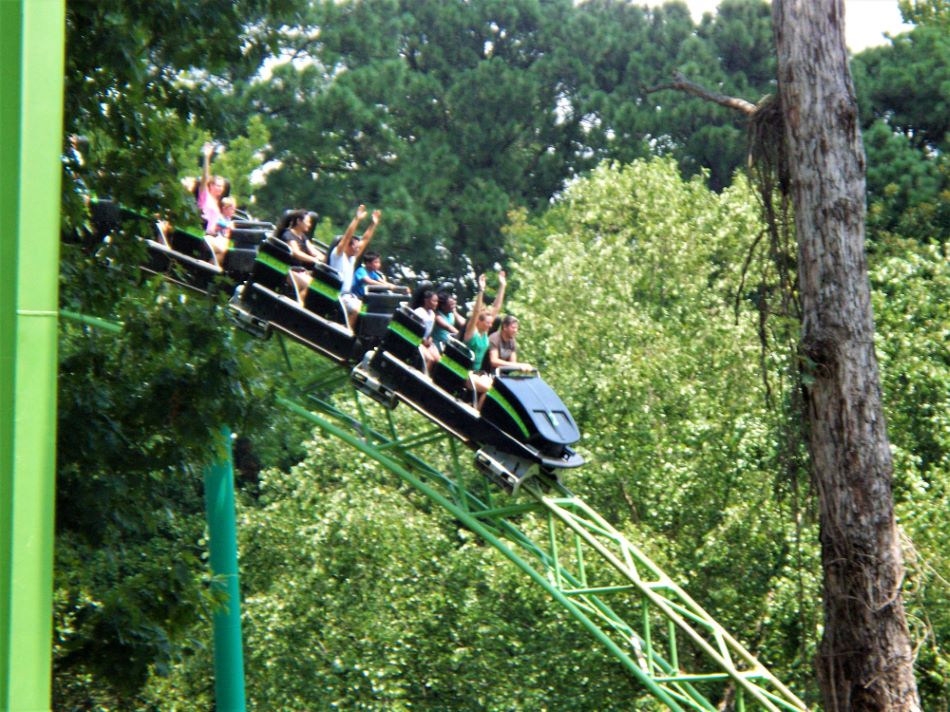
{"x":31,"y":117}
{"x":222,"y":544}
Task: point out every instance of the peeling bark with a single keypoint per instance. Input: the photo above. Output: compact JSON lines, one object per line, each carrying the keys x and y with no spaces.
{"x":865,"y":659}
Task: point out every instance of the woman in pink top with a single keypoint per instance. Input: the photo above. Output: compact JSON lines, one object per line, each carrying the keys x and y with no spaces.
{"x":210,"y":191}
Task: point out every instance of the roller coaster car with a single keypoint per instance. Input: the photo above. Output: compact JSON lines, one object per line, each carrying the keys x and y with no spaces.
{"x":184,"y":256}
{"x":523,"y":428}
{"x":198,"y":265}
{"x":268,"y":300}
{"x":246,"y":237}
{"x":178,"y":265}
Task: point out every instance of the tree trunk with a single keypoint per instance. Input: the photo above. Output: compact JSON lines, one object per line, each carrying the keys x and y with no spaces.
{"x":865,"y":660}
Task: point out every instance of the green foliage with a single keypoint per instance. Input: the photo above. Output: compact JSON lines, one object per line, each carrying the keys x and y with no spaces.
{"x":359,"y":596}
{"x":449,"y":115}
{"x":908,"y":84}
{"x":912,"y":311}
{"x":237,"y":163}
{"x":434,"y":112}
{"x":138,"y":77}
{"x":899,"y":176}
{"x":925,"y":12}
{"x":138,"y":417}
{"x":457,"y":118}
{"x":630,"y":312}
{"x":902,"y":95}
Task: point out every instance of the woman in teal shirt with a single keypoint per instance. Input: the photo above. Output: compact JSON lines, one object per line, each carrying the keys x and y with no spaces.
{"x":476,"y":333}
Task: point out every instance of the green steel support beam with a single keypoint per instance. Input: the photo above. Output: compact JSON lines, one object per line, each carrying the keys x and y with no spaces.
{"x":222,"y":546}
{"x":675,"y":604}
{"x":104,"y":324}
{"x":10,"y":63}
{"x":476,"y":526}
{"x":642,"y":586}
{"x":31,"y":111}
{"x":600,"y":554}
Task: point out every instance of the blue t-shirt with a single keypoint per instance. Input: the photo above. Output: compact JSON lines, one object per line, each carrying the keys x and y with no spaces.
{"x":359,"y":286}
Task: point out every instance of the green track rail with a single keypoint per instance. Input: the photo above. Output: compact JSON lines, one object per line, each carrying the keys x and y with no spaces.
{"x":660,"y":635}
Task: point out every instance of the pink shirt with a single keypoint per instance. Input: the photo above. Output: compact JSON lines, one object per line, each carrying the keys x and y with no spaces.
{"x":210,"y":210}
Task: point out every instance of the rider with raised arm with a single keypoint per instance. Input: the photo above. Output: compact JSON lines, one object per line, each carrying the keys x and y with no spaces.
{"x":343,"y":259}
{"x":476,"y":333}
{"x":210,"y":191}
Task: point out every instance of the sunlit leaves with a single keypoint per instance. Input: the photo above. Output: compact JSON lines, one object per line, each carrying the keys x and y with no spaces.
{"x":630,"y":311}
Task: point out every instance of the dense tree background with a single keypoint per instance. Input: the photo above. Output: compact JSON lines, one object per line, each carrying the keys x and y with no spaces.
{"x":449,"y":115}
{"x":514,"y":132}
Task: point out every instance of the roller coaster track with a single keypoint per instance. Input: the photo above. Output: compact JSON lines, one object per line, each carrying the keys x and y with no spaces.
{"x":677,"y":651}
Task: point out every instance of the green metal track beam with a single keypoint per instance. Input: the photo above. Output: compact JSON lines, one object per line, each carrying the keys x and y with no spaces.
{"x":32,"y":36}
{"x":479,"y":528}
{"x":649,"y":623}
{"x":663,"y":638}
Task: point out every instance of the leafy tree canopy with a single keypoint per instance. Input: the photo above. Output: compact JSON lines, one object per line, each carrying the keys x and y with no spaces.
{"x":449,"y":115}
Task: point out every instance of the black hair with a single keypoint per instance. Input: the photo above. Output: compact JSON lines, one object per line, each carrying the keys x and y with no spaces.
{"x":289,"y":219}
{"x":369,"y":256}
{"x":508,"y":320}
{"x":422,"y":292}
{"x":444,"y":297}
{"x":313,"y":222}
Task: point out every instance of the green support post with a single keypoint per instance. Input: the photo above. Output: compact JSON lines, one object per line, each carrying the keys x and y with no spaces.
{"x":31,"y":116}
{"x":222,"y":545}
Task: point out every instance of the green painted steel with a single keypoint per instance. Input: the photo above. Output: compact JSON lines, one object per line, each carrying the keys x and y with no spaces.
{"x":32,"y":38}
{"x":482,"y":530}
{"x":223,"y":551}
{"x":106,"y":325}
{"x":10,"y":44}
{"x":402,"y":331}
{"x":325,"y":289}
{"x":643,"y":618}
{"x":638,"y":613}
{"x":273,"y":263}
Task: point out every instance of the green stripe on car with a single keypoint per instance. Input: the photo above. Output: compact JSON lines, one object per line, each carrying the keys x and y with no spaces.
{"x":454,"y":366}
{"x":405,"y":333}
{"x":507,"y":407}
{"x":325,"y":289}
{"x":273,"y":263}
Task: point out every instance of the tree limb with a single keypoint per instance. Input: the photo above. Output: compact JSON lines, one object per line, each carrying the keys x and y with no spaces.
{"x":681,"y":83}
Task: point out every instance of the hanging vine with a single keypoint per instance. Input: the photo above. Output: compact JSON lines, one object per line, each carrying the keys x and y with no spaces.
{"x":771,"y":256}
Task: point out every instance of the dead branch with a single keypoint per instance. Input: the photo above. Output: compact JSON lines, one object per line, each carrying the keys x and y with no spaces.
{"x":681,"y":83}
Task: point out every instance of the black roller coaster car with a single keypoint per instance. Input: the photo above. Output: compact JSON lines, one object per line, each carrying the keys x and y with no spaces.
{"x":183,"y":255}
{"x":268,"y":301}
{"x":522,"y":430}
